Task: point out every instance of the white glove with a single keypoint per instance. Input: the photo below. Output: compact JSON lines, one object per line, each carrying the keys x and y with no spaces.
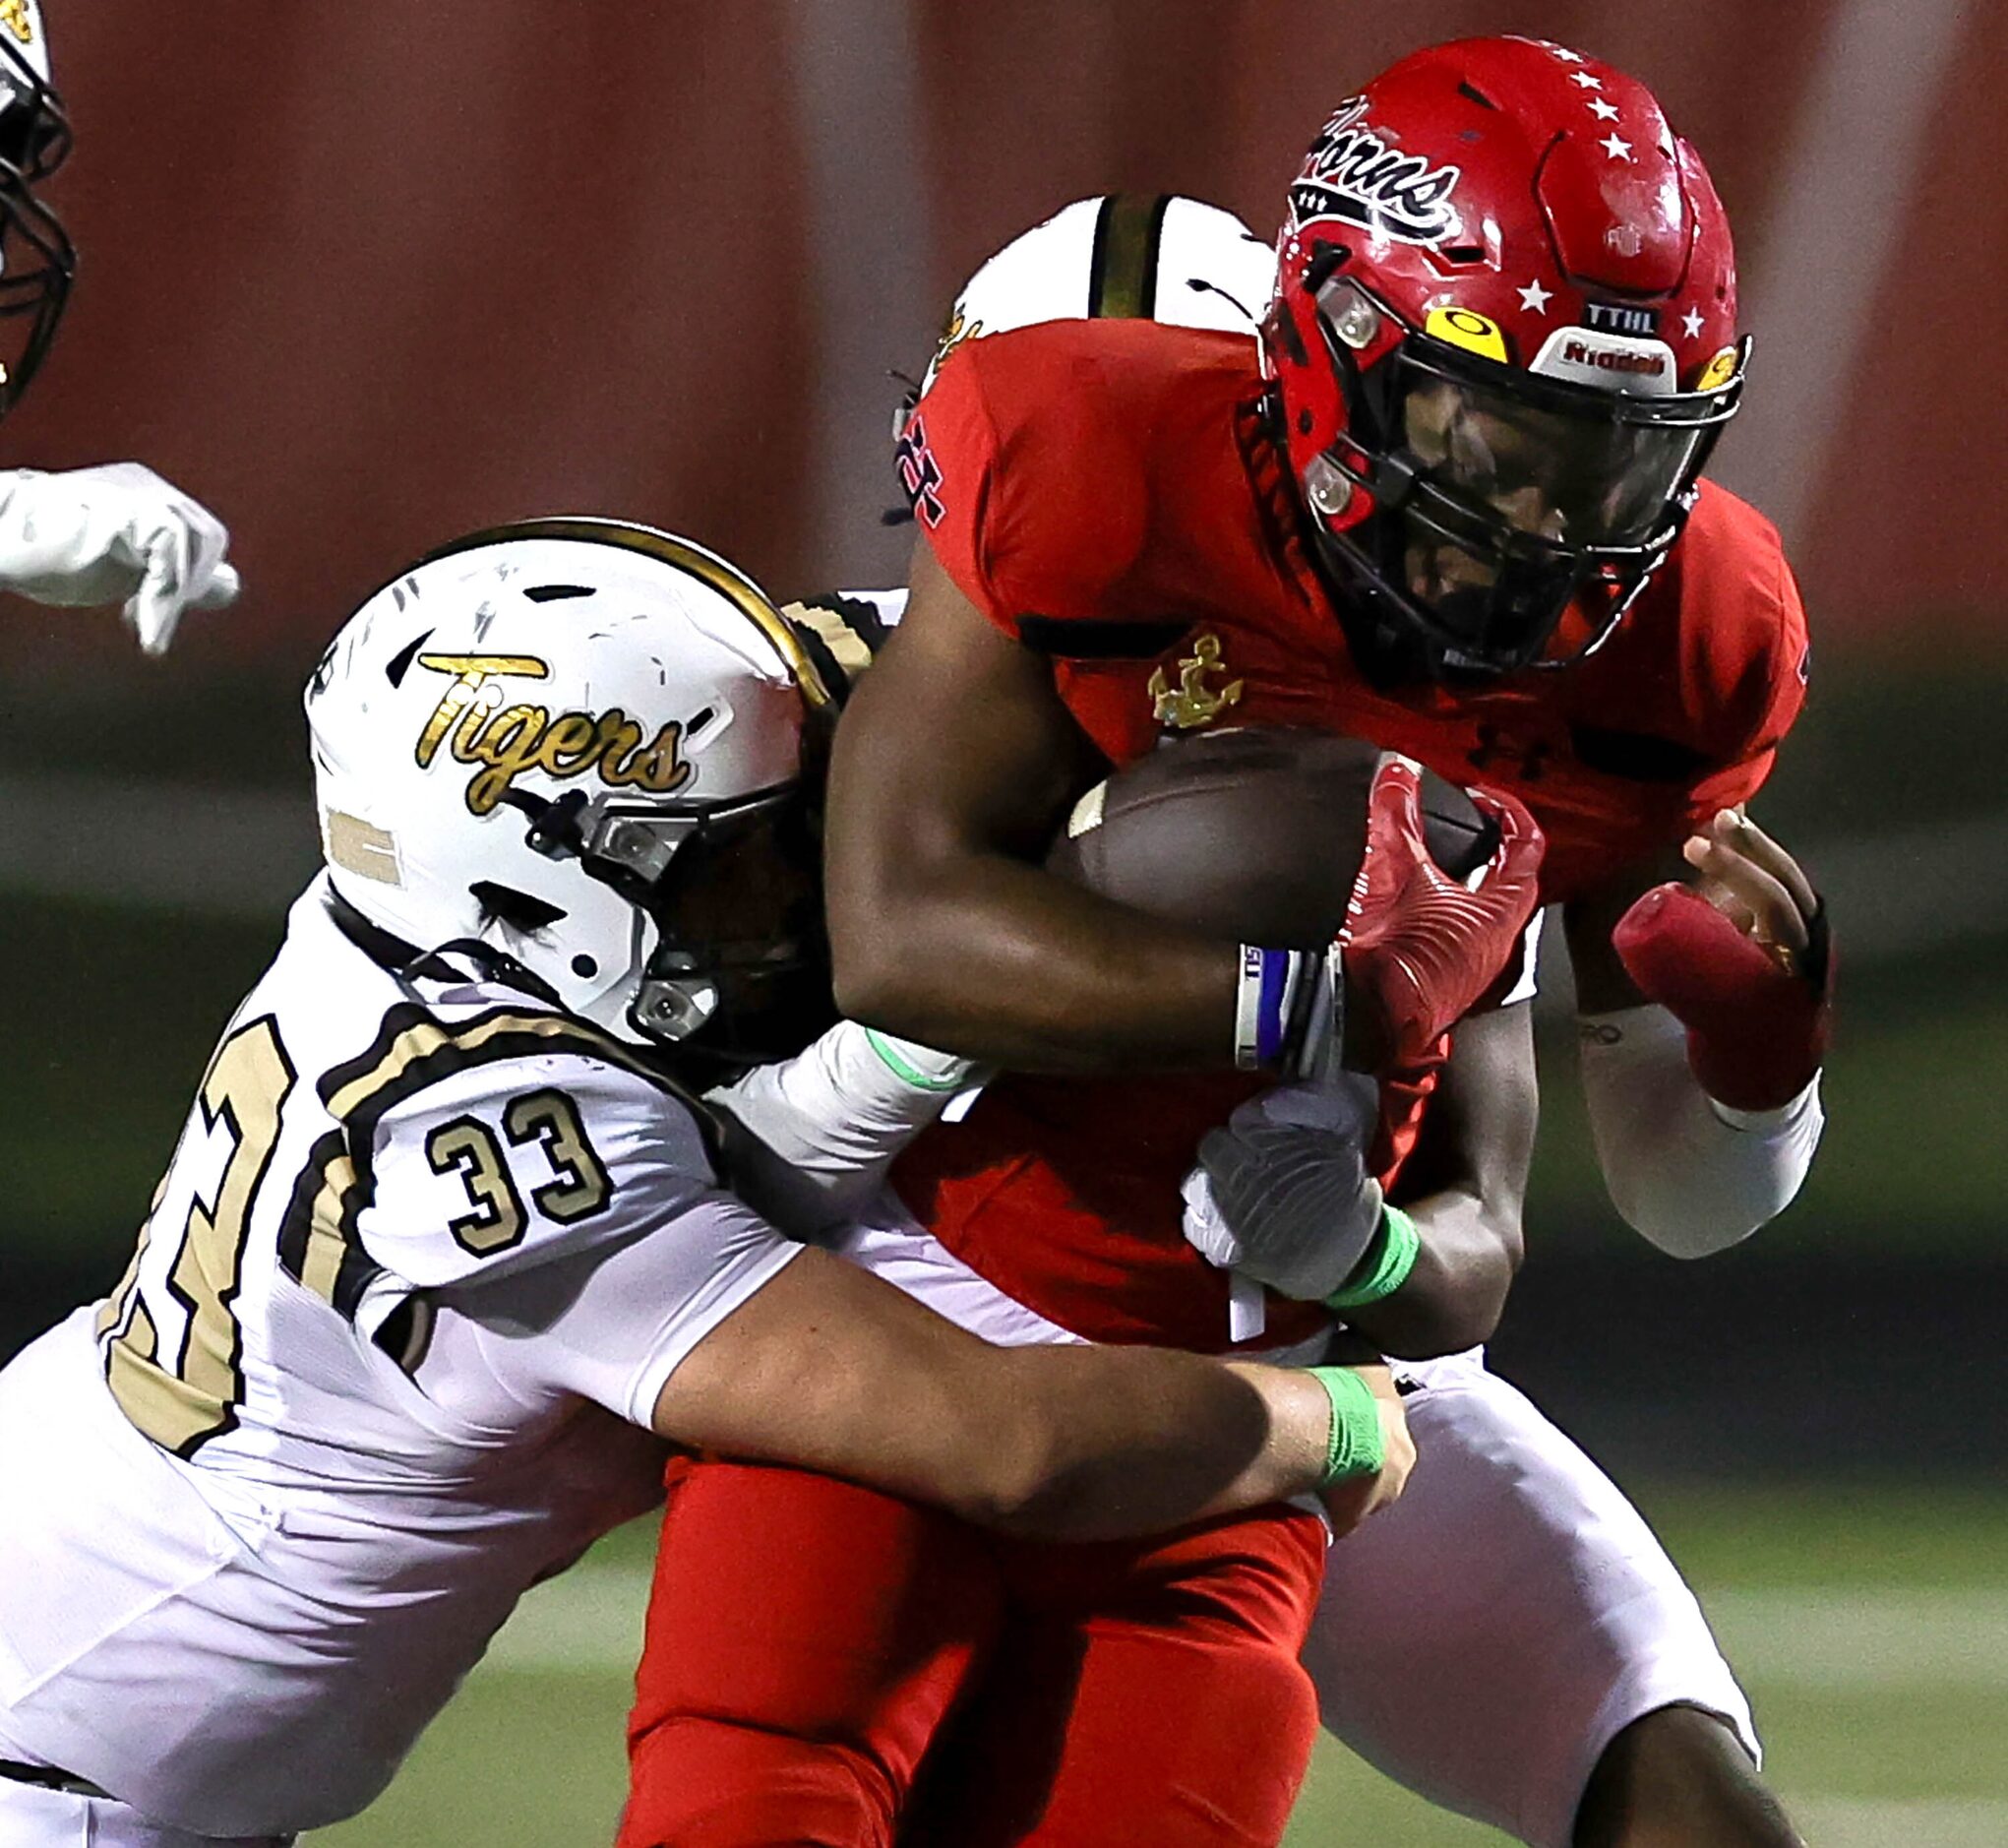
{"x":116,"y":534}
{"x":1282,"y":1193}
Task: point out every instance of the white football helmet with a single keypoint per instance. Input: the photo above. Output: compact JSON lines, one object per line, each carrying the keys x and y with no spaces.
{"x":580,"y":746}
{"x":1162,"y":258}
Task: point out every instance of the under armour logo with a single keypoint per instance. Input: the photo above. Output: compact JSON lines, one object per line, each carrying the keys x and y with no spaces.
{"x":920,"y":475}
{"x":1492,"y":748}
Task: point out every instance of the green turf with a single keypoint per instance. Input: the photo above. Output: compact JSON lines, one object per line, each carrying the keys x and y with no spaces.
{"x":533,"y":1757}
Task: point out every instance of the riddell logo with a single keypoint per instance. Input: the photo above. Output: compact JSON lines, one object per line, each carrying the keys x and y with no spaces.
{"x":1603,"y":360}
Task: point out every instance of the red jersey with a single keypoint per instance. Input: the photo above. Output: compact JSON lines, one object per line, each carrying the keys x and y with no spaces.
{"x":1106,"y":492}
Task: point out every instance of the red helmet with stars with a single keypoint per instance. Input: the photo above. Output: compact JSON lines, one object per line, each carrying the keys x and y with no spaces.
{"x":1504,"y":341}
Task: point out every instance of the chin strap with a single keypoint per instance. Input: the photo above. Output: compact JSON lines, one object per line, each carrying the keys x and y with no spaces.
{"x":394,"y":954}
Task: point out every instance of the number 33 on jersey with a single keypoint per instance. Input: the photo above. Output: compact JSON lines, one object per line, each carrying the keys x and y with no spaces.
{"x":476,"y":1134}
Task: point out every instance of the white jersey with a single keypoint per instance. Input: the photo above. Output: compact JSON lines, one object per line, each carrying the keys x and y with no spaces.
{"x":425,"y":1255}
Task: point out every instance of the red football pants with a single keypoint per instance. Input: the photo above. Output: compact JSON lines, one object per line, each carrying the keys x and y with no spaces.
{"x":807,"y":1639}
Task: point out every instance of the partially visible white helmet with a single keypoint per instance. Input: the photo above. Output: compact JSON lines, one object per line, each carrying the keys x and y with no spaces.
{"x":1132,"y":255}
{"x":581,"y":744}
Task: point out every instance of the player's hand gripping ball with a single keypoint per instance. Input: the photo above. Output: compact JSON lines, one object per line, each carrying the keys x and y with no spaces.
{"x":1422,"y":943}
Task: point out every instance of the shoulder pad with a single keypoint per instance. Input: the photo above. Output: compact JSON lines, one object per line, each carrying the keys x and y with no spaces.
{"x":486,"y":1144}
{"x":1033,"y":461}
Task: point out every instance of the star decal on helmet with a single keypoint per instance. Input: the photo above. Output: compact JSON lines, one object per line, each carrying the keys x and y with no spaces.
{"x":1603,"y":109}
{"x":1587,"y":80}
{"x":1534,"y":298}
{"x":1615,"y":145}
{"x":1690,"y":324}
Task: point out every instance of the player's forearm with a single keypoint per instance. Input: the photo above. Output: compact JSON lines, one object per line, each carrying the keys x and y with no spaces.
{"x":822,"y":1128}
{"x":1684,"y":1171}
{"x":1010,"y":965}
{"x":830,"y":1369}
{"x":1466,"y":1257}
{"x":1109,"y":1444}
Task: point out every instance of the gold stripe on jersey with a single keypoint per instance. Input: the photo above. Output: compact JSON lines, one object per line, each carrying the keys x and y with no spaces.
{"x":415,"y":1049}
{"x":175,"y":1413}
{"x":1122,"y":268}
{"x":317,"y":1247}
{"x":153,"y":1398}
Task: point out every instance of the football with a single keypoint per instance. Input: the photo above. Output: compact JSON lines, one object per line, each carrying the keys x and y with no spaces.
{"x":1255,"y":833}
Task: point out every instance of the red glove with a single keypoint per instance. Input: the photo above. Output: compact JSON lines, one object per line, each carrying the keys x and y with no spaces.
{"x":1756,"y":1018}
{"x":1420,"y":947}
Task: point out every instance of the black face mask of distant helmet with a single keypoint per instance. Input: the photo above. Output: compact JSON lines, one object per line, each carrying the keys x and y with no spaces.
{"x":37,"y":261}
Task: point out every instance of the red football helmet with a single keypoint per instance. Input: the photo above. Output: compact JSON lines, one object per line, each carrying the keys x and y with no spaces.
{"x":1504,"y":341}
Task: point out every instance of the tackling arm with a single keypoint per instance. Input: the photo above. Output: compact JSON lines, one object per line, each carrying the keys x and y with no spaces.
{"x":1465,"y":1186}
{"x":831,"y":1369}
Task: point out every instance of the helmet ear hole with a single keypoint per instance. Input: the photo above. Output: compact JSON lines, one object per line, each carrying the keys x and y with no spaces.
{"x":505,"y":904}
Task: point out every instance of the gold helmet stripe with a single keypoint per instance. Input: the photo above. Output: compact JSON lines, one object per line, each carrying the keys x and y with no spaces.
{"x":683,"y":555}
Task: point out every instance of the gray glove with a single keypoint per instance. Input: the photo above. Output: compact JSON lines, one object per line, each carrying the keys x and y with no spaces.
{"x":1282,"y":1193}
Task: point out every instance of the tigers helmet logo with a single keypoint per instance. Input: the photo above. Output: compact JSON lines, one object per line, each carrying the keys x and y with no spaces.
{"x":507,"y":740}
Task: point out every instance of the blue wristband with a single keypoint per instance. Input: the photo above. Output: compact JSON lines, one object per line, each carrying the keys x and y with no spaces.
{"x":1273,"y":1007}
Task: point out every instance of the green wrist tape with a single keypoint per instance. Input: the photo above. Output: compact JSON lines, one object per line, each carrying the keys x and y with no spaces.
{"x":1387,"y":1264}
{"x":904,"y":1068}
{"x":1355,"y":1447}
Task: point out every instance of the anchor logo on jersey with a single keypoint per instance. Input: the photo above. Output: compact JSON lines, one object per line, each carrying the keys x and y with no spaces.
{"x":1193,"y":701}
